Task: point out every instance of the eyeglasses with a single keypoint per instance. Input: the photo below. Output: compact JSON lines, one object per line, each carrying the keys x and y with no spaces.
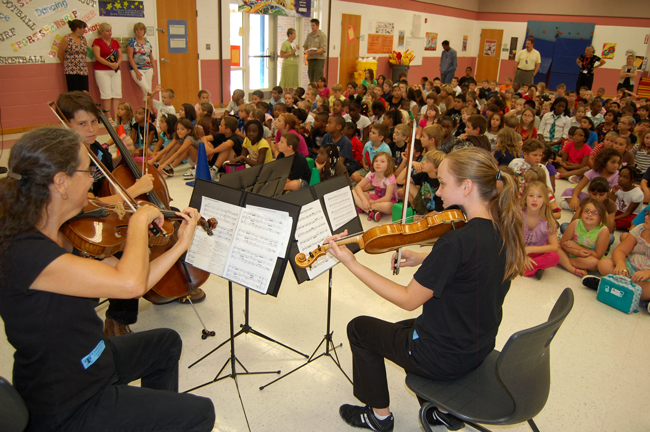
{"x":91,"y":171}
{"x":591,"y":212}
{"x":646,"y":212}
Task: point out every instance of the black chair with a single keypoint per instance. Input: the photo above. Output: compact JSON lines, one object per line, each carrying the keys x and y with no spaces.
{"x":13,"y":412}
{"x":509,"y":387}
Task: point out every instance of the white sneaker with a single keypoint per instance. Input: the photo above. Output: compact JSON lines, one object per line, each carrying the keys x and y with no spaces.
{"x":574,"y":179}
{"x":214,"y":174}
{"x":190,"y":174}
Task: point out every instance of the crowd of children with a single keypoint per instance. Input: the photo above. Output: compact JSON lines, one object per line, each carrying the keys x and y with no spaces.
{"x":363,"y":131}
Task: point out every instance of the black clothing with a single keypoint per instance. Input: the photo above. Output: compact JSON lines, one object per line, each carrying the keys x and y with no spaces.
{"x":454,"y":114}
{"x":218,"y":139}
{"x":315,"y":140}
{"x":299,"y":167}
{"x":458,"y":326}
{"x":480,"y":141}
{"x":465,"y":80}
{"x":394,"y":105}
{"x":397,"y":152}
{"x":428,"y":188}
{"x":77,"y":82}
{"x":105,"y":158}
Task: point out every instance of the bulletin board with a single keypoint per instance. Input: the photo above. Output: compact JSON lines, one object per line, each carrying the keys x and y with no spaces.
{"x":417,"y":46}
{"x":380,"y":44}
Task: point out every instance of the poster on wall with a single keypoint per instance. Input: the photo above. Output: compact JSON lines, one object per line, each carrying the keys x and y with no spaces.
{"x":640,"y":62}
{"x":380,"y":44}
{"x":276,"y":7}
{"x":431,"y":42}
{"x":464,"y":43}
{"x":513,"y":48}
{"x":415,"y":28}
{"x":609,"y":50}
{"x":386,"y":28}
{"x":490,"y":48}
{"x":400,"y":39}
{"x":121,"y":8}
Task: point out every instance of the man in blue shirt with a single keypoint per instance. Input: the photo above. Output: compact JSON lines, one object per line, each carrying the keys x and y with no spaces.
{"x":448,"y":62}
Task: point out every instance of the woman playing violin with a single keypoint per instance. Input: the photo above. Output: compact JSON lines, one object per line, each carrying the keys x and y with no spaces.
{"x":71,"y":375}
{"x":461,"y":285}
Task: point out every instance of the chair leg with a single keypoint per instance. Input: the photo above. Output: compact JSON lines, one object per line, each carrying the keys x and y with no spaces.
{"x":423,"y":416}
{"x":477,"y":426}
{"x":532,"y":425}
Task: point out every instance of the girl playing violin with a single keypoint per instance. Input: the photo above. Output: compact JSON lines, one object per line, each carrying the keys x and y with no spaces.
{"x":47,"y":292}
{"x":461,"y":283}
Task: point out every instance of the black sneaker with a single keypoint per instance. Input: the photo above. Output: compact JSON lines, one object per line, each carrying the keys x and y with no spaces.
{"x":591,"y":282}
{"x":435,"y":417}
{"x":539,"y":273}
{"x":169,"y":171}
{"x":364,"y":417}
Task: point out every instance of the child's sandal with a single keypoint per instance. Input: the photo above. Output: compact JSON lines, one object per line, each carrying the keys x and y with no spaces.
{"x":371,"y":215}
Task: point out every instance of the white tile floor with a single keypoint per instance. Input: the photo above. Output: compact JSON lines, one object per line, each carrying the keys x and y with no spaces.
{"x":598,"y":362}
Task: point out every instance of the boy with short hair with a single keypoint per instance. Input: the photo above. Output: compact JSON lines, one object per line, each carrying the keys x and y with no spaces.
{"x":623,"y":144}
{"x":300,"y":173}
{"x":276,"y":96}
{"x":643,"y":111}
{"x":561,"y":90}
{"x":507,"y":85}
{"x":318,"y":131}
{"x":223,"y":145}
{"x":475,"y":130}
{"x":493,"y":90}
{"x":425,"y":184}
{"x":533,"y":151}
{"x":257,"y":96}
{"x":376,"y":144}
{"x":600,"y":93}
{"x":165,"y":105}
{"x":399,"y":144}
{"x":236,"y":102}
{"x":432,"y":137}
{"x":455,"y":111}
{"x":455,"y":86}
{"x":572,"y":101}
{"x":334,"y":135}
{"x":350,"y":130}
{"x":337,"y":90}
{"x":595,"y":113}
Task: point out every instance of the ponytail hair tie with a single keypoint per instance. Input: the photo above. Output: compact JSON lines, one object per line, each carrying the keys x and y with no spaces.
{"x":498,"y":175}
{"x":19,"y":178}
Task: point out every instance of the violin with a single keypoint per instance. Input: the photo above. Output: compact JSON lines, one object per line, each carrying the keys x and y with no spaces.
{"x":389,"y":237}
{"x":108,"y":224}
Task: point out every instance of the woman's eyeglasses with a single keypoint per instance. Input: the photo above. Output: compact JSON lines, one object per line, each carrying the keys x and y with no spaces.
{"x":591,"y":212}
{"x":91,"y":170}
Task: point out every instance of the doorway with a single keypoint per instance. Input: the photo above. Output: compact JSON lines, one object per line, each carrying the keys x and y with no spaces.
{"x":253,"y":37}
{"x":178,"y":49}
{"x":350,"y":31}
{"x":489,"y":55}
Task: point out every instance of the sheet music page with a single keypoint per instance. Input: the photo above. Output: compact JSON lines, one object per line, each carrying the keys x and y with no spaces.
{"x":284,"y":220}
{"x":209,"y":253}
{"x":311,"y":230}
{"x":256,"y":247}
{"x":340,"y":207}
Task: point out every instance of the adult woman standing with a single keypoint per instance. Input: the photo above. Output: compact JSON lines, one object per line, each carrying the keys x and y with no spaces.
{"x":289,"y":77}
{"x":139,"y":52}
{"x":461,"y":285}
{"x":587,"y":63}
{"x":628,"y":72}
{"x":108,"y":56}
{"x":69,"y":373}
{"x":72,"y":53}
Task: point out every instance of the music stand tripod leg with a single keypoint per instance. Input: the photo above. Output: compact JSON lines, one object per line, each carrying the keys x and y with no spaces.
{"x":327,"y":339}
{"x":205,"y":332}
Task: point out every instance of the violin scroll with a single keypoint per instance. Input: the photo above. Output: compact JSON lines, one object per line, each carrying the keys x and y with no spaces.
{"x":208,"y":226}
{"x":304,"y":261}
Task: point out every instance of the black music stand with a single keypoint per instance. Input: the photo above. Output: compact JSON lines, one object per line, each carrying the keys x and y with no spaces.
{"x":303,"y":197}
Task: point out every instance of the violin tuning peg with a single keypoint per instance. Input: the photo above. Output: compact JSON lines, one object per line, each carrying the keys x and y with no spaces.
{"x":311,"y":255}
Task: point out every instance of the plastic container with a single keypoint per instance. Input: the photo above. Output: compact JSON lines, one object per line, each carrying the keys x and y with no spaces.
{"x":362,"y":65}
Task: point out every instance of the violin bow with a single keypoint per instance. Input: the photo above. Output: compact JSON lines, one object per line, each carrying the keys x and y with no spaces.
{"x":145,"y":165}
{"x":398,"y":258}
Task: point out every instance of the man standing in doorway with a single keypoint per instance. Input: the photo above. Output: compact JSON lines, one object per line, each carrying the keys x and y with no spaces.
{"x":448,"y":63}
{"x":315,"y":47}
{"x":528,"y":62}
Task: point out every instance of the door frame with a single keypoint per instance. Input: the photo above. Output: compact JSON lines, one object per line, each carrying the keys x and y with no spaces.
{"x":497,"y":54}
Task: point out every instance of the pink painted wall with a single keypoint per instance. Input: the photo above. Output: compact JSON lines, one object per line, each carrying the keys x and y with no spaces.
{"x":210,"y":73}
{"x":25,"y":91}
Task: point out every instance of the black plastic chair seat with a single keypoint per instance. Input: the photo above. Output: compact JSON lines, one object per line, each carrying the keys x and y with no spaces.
{"x":13,"y":412}
{"x":477,"y":396}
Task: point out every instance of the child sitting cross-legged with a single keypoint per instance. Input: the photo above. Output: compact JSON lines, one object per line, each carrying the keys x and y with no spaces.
{"x":328,"y":163}
{"x":425,"y":184}
{"x":629,"y":198}
{"x":585,"y":241}
{"x":539,"y":230}
{"x":575,"y":155}
{"x":300,"y":173}
{"x":381,"y":177}
{"x":256,"y":149}
{"x":376,"y":144}
{"x":606,"y":165}
{"x":631,"y":258}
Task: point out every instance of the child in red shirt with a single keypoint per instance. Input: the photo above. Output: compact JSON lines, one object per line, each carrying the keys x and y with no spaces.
{"x":357,"y":146}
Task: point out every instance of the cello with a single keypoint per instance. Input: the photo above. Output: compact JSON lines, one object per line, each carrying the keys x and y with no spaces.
{"x":182,"y":278}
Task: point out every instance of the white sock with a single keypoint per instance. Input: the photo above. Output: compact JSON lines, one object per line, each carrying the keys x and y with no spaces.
{"x":380,"y":417}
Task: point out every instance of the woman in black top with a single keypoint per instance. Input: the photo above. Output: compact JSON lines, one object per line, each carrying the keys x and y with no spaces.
{"x":71,"y":375}
{"x":461,"y":285}
{"x":587,"y":62}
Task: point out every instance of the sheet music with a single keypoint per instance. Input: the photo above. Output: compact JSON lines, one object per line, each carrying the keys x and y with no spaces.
{"x":340,"y":207}
{"x":209,"y":253}
{"x":311,"y":230}
{"x":256,"y":246}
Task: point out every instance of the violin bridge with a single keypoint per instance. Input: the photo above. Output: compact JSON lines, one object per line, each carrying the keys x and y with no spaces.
{"x":119,"y":210}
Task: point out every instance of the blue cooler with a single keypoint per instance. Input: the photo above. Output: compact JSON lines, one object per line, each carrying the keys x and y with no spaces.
{"x":620,"y":293}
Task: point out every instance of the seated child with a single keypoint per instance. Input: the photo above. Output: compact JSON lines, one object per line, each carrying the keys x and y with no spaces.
{"x":334,"y":135}
{"x":223,"y":145}
{"x":599,"y":190}
{"x":328,"y":163}
{"x":631,"y":258}
{"x":532,"y":150}
{"x":186,"y":139}
{"x":448,"y":139}
{"x":318,"y":131}
{"x":256,"y":149}
{"x":425,"y":184}
{"x":401,"y":140}
{"x":539,"y":230}
{"x":300,"y":173}
{"x":475,"y":134}
{"x":167,"y":128}
{"x":536,"y":174}
{"x":606,"y":165}
{"x":375,"y":145}
{"x":143,"y":146}
{"x":382,"y":178}
{"x":629,"y":198}
{"x":507,"y":147}
{"x":349,"y":131}
{"x":585,"y":241}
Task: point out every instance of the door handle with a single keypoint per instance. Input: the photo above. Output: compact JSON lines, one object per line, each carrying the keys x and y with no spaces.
{"x":160,"y":30}
{"x":164,"y":60}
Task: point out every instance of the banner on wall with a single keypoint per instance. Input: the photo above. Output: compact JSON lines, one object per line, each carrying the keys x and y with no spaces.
{"x":464,"y":43}
{"x":513,"y":48}
{"x":295,"y":8}
{"x":121,"y":8}
{"x":609,"y":50}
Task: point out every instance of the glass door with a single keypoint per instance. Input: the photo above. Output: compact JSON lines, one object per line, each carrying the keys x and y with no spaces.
{"x":253,"y":36}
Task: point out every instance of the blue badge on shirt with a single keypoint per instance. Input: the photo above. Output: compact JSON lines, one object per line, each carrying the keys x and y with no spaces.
{"x":94,"y":355}
{"x":415,"y":335}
